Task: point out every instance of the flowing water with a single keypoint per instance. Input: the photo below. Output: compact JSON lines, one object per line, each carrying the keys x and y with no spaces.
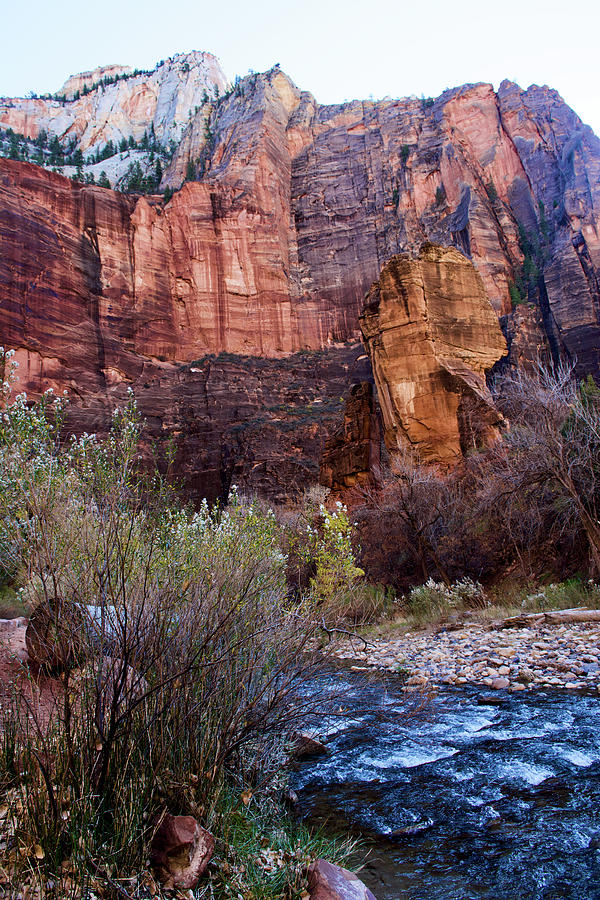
{"x":475,"y":796}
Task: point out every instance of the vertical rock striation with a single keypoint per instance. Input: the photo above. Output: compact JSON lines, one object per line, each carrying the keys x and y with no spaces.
{"x":267,"y":252}
{"x":353,"y":452}
{"x":431,"y":335}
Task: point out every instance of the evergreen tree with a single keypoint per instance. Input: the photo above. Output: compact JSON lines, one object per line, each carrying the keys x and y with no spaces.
{"x":56,"y":152}
{"x":190,"y":170}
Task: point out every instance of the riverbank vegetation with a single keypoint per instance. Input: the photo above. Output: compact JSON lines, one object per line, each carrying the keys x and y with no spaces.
{"x":172,"y":657}
{"x":173,"y":643}
{"x":512,"y":525}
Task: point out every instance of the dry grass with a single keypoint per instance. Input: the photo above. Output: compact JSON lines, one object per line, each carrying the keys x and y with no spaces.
{"x":509,"y":597}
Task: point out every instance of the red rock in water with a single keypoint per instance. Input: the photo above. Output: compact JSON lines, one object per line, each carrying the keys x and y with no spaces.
{"x":329,"y":882}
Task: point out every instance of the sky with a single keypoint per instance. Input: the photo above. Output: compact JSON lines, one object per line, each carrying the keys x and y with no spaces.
{"x":336,"y":50}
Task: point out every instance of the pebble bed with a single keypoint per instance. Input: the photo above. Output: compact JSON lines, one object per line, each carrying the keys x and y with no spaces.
{"x":560,"y":656}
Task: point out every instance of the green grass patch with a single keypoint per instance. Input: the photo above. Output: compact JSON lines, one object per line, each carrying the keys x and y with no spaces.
{"x":263,"y":853}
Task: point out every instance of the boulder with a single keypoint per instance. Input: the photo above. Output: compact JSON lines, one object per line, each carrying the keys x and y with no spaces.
{"x":329,"y":882}
{"x":181,"y":851}
{"x":289,"y":798}
{"x":305,"y":746}
{"x":54,"y":635}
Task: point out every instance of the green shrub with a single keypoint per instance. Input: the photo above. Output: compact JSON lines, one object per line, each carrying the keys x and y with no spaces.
{"x":329,"y":546}
{"x":515,"y":294}
{"x":365,"y":603}
{"x":490,"y":189}
{"x":563,"y":595}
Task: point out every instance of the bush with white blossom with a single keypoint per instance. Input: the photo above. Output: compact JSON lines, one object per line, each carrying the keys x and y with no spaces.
{"x":437,"y":597}
{"x":329,"y":547}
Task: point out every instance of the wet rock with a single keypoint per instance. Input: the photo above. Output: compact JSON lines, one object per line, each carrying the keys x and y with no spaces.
{"x":180,"y":852}
{"x":289,"y":798}
{"x":329,"y":882}
{"x":409,"y":830}
{"x":306,"y":746}
{"x":489,"y":700}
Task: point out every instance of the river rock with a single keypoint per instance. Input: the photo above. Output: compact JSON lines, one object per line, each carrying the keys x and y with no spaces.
{"x":561,"y":654}
{"x":500,"y":683}
{"x":180,"y":852}
{"x":489,"y":700}
{"x":329,"y":882}
{"x":412,"y":829}
{"x":306,"y":746}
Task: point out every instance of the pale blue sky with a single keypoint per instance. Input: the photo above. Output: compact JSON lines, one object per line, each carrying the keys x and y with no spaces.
{"x":337,"y":50}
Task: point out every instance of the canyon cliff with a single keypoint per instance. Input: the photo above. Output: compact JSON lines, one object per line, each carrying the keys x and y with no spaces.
{"x":114,"y":102}
{"x":432,"y":336}
{"x":262,"y":258}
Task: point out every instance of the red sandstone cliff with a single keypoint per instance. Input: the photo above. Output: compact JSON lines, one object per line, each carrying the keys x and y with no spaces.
{"x":432,"y":336}
{"x":273,"y":250}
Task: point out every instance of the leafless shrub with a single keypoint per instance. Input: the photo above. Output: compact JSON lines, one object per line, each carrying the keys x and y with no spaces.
{"x":549,"y":460}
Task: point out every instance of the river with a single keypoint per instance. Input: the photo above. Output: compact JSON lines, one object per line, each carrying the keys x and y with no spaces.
{"x":479,"y":795}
